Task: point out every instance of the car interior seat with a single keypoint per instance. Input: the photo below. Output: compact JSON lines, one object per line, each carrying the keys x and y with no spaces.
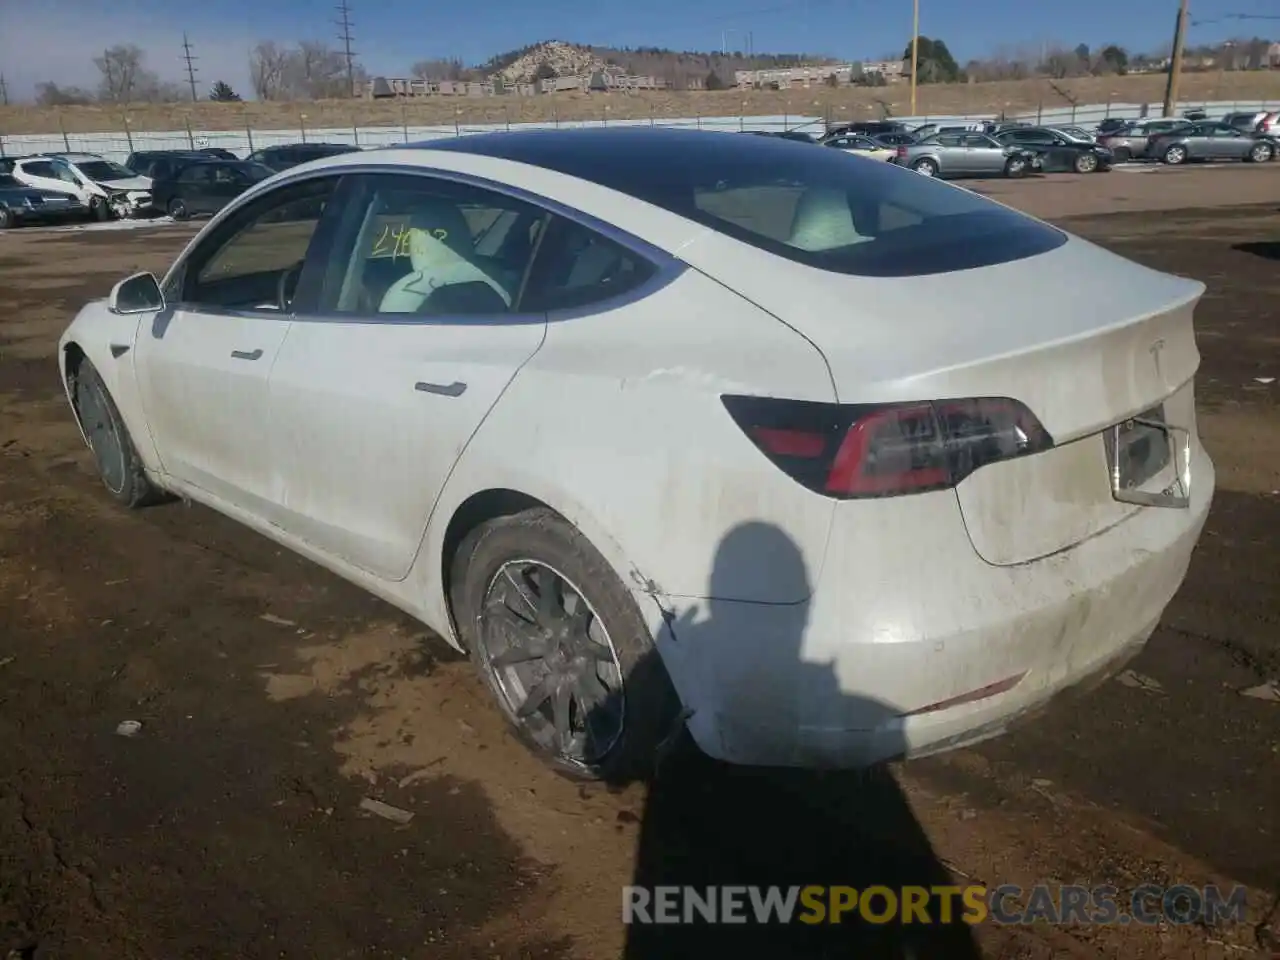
{"x":439,"y":250}
{"x":823,"y":221}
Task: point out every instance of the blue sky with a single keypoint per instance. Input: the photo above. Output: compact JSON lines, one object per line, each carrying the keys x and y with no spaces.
{"x":48,"y":39}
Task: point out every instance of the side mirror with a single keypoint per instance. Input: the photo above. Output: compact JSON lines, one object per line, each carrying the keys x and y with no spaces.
{"x":139,"y":293}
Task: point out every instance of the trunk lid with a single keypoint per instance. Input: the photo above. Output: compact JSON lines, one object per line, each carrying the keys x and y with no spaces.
{"x":1035,"y":330}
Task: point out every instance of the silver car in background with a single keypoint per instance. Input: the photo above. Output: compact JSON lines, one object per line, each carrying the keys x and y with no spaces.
{"x":1211,"y":140}
{"x":966,"y":154}
{"x":1130,"y":142}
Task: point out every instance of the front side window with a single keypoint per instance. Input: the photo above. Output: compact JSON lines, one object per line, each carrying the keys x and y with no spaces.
{"x":256,"y":256}
{"x":428,"y":247}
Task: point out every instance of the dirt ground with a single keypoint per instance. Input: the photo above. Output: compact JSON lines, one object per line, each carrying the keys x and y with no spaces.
{"x":855,"y":103}
{"x":273,"y":698}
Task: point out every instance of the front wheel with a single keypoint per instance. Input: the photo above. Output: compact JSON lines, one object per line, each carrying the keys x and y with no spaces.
{"x":1175,"y":155}
{"x":1261,"y":153}
{"x":1086,"y":163}
{"x":561,"y":644}
{"x":1015,"y":167}
{"x":99,"y":209}
{"x":117,"y":461}
{"x":925,"y":167}
{"x":6,"y":218}
{"x":178,"y":209}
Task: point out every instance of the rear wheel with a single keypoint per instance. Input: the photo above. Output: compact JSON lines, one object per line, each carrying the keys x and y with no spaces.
{"x":99,"y":209}
{"x":1261,"y":153}
{"x":1123,"y":155}
{"x":1174,"y":155}
{"x":113,"y":452}
{"x":925,"y":167}
{"x":6,"y":218}
{"x":561,"y":644}
{"x":178,"y":209}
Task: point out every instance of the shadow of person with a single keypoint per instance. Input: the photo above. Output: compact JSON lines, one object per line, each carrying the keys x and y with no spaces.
{"x":712,"y":824}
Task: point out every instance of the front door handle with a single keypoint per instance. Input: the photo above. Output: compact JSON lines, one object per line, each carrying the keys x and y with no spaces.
{"x":246,"y":354}
{"x":454,"y":389}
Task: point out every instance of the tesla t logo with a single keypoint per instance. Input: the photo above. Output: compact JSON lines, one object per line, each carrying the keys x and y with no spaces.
{"x":1155,"y":350}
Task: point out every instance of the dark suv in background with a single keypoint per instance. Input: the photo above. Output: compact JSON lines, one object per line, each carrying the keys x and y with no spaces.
{"x":291,"y":154}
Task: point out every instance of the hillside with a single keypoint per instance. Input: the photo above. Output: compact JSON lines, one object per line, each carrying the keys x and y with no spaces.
{"x":1012,"y":96}
{"x":559,"y":58}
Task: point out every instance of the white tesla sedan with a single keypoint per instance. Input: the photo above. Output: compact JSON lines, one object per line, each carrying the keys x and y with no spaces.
{"x":673,"y":427}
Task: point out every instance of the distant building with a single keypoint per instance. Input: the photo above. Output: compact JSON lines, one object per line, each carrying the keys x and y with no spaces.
{"x":786,"y":78}
{"x":603,"y":81}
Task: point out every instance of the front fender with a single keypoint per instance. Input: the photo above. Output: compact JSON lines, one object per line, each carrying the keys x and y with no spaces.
{"x":107,"y":341}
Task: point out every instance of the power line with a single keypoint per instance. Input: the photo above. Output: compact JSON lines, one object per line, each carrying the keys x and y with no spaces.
{"x":191,"y":68}
{"x":344,"y":24}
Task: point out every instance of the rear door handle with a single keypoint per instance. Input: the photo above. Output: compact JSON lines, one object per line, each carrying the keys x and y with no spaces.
{"x":246,"y":354}
{"x":454,"y":389}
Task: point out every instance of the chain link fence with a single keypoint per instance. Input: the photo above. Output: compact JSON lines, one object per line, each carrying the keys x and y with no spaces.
{"x":117,"y":145}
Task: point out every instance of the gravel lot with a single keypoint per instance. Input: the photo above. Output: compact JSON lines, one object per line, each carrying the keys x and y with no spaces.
{"x":274,"y":698}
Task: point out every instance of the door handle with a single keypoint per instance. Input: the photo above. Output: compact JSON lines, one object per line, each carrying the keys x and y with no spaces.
{"x":454,"y":389}
{"x":246,"y":354}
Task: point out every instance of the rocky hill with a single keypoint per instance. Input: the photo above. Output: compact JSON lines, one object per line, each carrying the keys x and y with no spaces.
{"x":559,"y":58}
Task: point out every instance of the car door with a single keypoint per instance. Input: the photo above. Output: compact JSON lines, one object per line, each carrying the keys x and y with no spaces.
{"x":418,"y":332}
{"x":203,"y":362}
{"x":49,"y":175}
{"x":951,"y":154}
{"x":982,"y":154}
{"x":1229,"y":143}
{"x":193,"y":186}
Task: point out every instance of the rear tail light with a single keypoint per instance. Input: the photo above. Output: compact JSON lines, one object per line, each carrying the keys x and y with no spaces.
{"x":849,"y":451}
{"x":902,"y":152}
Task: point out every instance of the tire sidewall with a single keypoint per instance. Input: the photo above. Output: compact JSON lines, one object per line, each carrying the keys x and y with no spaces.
{"x":178,"y":209}
{"x":649,"y":701}
{"x":135,"y":490}
{"x":920,"y":166}
{"x":6,"y":219}
{"x":1177,"y":152}
{"x":1086,"y":163}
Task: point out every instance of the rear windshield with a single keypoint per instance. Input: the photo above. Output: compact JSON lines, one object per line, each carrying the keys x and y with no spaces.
{"x":807,"y":204}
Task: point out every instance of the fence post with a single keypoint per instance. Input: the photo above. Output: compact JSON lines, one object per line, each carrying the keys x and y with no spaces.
{"x":698,"y":119}
{"x":191,"y":140}
{"x":128,"y":133}
{"x":302,"y":126}
{"x":506,"y":115}
{"x":457,"y":116}
{"x":555,"y":117}
{"x":355,"y":129}
{"x":66,"y":142}
{"x":1073,"y":113}
{"x":1039,"y":113}
{"x":651,"y":115}
{"x":248,"y":132}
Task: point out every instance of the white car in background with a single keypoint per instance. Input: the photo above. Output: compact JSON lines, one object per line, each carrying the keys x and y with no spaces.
{"x":676,"y":428}
{"x":105,"y":188}
{"x":860,"y":146}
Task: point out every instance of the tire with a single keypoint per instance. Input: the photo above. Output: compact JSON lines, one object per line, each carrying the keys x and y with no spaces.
{"x":178,"y":209}
{"x":1123,"y":155}
{"x":1175,"y":155}
{"x":1261,"y":153}
{"x":1086,"y":163}
{"x":641,"y":705}
{"x":113,"y":451}
{"x":6,"y":218}
{"x":925,"y":167}
{"x":1016,"y":167}
{"x":99,"y":209}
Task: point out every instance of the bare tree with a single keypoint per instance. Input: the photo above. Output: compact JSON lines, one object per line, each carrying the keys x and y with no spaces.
{"x":122,"y":73}
{"x":267,"y":65}
{"x":440,"y":70}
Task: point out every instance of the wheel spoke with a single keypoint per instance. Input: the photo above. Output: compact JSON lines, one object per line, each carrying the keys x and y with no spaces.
{"x":560,"y":716}
{"x":517,"y":655}
{"x":590,"y":692}
{"x":536,"y":697}
{"x":503,"y":615}
{"x":522,"y":590}
{"x":549,"y":606}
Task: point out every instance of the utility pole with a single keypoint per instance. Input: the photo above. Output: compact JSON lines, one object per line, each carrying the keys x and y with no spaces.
{"x":1175,"y":61}
{"x":915,"y":51}
{"x":344,"y":24}
{"x":191,"y":65}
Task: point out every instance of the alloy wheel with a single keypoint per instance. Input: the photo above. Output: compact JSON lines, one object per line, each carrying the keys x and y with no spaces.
{"x":552,"y":662}
{"x":101,"y":432}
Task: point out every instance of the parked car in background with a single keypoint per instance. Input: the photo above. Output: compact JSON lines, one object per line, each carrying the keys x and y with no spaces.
{"x":1110,"y":125}
{"x":894,"y":139}
{"x":861,"y":146}
{"x":1072,"y":131}
{"x":1254,"y":121}
{"x":290,"y":155}
{"x":21,"y":204}
{"x":1131,"y":142}
{"x":206,"y":186}
{"x":161,"y":164}
{"x":1211,"y":140}
{"x":957,"y":126}
{"x":104,"y":187}
{"x":219,"y":153}
{"x":965,"y":155}
{"x":869,"y":128}
{"x":1057,"y":152}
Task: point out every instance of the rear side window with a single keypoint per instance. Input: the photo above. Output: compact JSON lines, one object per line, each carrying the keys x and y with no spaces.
{"x":577,"y":267}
